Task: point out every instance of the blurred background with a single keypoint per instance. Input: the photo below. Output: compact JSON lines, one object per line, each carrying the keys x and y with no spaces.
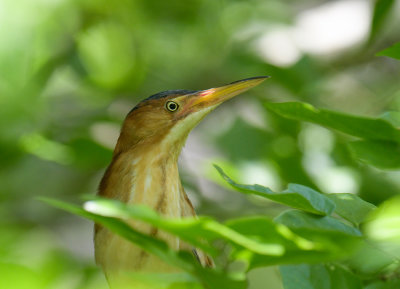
{"x":70,"y":70}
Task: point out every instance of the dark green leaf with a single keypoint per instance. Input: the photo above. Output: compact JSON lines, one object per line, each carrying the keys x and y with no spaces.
{"x":305,"y":277}
{"x":193,"y":230}
{"x":351,"y":207}
{"x":342,"y":278}
{"x":243,"y":135}
{"x":363,"y":127}
{"x":304,"y":221}
{"x":256,"y":240}
{"x":330,"y":232}
{"x":381,"y":154}
{"x":392,"y":51}
{"x":318,"y":277}
{"x":297,"y":248}
{"x":296,"y":196}
{"x":333,"y":235}
{"x":184,"y":260}
{"x":89,"y":154}
{"x":381,"y":10}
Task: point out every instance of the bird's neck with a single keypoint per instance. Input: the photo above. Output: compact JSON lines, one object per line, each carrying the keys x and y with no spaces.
{"x":145,"y":175}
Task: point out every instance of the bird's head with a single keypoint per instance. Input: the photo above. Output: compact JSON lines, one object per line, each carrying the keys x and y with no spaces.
{"x":166,"y":118}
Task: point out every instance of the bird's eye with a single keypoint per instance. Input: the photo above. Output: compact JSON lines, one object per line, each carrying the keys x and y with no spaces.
{"x":171,"y":106}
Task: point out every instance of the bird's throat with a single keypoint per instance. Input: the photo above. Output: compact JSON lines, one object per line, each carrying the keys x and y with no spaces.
{"x":138,"y":177}
{"x":156,"y":183}
{"x":149,"y":177}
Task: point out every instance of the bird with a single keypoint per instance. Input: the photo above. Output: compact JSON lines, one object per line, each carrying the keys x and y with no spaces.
{"x":144,"y":170}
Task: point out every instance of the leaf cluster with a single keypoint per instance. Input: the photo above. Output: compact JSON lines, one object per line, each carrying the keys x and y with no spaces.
{"x":319,"y":228}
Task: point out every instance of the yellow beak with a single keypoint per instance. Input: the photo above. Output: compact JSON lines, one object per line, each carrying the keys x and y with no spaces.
{"x":218,"y":95}
{"x":211,"y":98}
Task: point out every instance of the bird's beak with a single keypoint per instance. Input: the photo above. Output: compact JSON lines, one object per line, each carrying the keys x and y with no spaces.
{"x":210,"y":98}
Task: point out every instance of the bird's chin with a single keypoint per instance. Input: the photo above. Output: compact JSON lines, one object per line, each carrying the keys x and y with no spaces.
{"x":186,"y":122}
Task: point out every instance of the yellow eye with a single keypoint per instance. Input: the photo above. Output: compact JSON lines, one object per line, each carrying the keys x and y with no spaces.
{"x":171,"y":106}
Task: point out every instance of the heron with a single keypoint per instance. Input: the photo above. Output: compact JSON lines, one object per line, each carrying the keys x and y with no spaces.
{"x":144,"y":170}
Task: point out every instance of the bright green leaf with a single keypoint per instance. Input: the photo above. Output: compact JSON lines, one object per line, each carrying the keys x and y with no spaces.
{"x":184,"y":260}
{"x":193,"y":230}
{"x":380,"y":154}
{"x":363,"y":127}
{"x":296,"y":196}
{"x":351,"y":207}
{"x":155,"y":246}
{"x":392,"y":51}
{"x":15,"y":276}
{"x":252,"y":238}
{"x":46,"y":149}
{"x":393,"y":117}
{"x":384,"y":227}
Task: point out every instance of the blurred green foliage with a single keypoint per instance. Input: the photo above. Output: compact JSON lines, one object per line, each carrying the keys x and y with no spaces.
{"x":70,"y":70}
{"x":308,"y":234}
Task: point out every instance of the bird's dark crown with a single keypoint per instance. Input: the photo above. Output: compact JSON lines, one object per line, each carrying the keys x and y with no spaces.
{"x":164,"y":94}
{"x":168,"y":93}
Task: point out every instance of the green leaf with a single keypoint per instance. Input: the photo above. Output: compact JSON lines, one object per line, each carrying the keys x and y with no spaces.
{"x":214,"y":279}
{"x":193,"y":230}
{"x":393,"y":117}
{"x":145,"y":280}
{"x":351,"y":207}
{"x":296,"y":196}
{"x":318,"y":277}
{"x":381,"y":10}
{"x":383,"y":227}
{"x":363,"y":127}
{"x":369,"y":260}
{"x":334,"y":235}
{"x":152,"y":245}
{"x":15,"y":276}
{"x":380,"y":154}
{"x":254,"y":240}
{"x":305,"y":277}
{"x":392,"y":51}
{"x":342,"y":278}
{"x":302,"y":221}
{"x":390,"y":284}
{"x":297,"y":248}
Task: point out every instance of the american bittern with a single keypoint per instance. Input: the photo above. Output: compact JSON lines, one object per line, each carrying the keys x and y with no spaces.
{"x":144,"y":170}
